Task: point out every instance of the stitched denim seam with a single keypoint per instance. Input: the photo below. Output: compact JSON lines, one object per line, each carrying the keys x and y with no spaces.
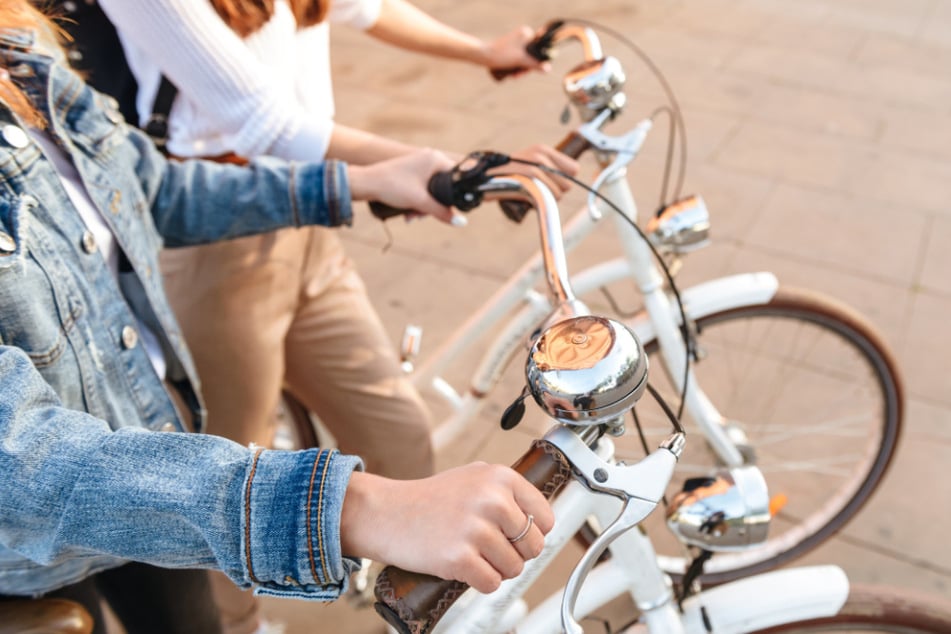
{"x":247,"y":513}
{"x":320,"y":510}
{"x":310,"y":528}
{"x":292,"y":184}
{"x":330,"y":182}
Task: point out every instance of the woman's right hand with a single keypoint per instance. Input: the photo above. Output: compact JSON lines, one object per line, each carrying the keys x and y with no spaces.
{"x":458,"y":524}
{"x":402,"y":183}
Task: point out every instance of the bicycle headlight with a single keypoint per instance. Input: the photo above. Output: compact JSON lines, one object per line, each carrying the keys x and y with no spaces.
{"x":681,"y":226}
{"x":729,"y":511}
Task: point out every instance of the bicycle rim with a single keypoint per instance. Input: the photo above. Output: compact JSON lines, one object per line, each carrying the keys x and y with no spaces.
{"x":817,"y":393}
{"x":877,"y":609}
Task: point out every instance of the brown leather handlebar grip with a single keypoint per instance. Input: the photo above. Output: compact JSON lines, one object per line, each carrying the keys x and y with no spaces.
{"x":413,"y":603}
{"x":573,"y":145}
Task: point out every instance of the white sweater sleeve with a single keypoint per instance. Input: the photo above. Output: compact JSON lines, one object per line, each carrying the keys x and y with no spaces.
{"x":357,"y":14}
{"x":205,"y":59}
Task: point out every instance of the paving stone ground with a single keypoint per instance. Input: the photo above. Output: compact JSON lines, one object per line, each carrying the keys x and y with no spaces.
{"x":820,"y":136}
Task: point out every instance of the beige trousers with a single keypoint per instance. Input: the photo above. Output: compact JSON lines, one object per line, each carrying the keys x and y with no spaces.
{"x":289,"y":309}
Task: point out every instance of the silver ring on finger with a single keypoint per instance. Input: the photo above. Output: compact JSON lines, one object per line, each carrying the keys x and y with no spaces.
{"x":528,"y":527}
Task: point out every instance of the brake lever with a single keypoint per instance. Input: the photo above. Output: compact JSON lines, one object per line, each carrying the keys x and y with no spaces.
{"x":625,"y":149}
{"x":641,"y":486}
{"x":632,"y":514}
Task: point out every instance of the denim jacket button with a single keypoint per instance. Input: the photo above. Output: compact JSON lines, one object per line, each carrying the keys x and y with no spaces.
{"x":69,"y":6}
{"x":167,"y":427}
{"x":15,"y":136}
{"x":89,"y":242}
{"x":129,"y":337}
{"x":7,"y":244}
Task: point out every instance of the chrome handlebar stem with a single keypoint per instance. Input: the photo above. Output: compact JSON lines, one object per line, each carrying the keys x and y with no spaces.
{"x":534,"y":192}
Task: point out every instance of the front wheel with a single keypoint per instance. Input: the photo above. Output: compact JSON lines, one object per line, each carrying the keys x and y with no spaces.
{"x":815,"y":390}
{"x":875,"y":609}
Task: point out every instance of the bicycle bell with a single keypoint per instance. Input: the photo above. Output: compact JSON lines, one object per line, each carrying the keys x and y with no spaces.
{"x":726,"y":512}
{"x":595,"y":85}
{"x":586,"y":370}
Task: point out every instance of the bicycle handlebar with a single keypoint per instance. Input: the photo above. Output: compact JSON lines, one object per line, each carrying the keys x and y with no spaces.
{"x":412,"y":602}
{"x":554,"y":33}
{"x":458,"y":193}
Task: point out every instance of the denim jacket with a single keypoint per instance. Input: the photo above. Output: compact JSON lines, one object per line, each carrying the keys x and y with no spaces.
{"x":94,"y":471}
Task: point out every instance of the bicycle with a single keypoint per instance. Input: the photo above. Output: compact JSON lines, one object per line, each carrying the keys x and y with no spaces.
{"x":585,"y":372}
{"x":809,"y":343}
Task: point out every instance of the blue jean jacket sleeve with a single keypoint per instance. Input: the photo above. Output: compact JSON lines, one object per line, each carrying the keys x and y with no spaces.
{"x":195,"y":202}
{"x":74,"y":488}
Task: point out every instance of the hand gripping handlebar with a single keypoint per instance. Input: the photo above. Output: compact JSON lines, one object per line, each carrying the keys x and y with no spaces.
{"x":413,"y":603}
{"x":459,"y":187}
{"x":539,"y":48}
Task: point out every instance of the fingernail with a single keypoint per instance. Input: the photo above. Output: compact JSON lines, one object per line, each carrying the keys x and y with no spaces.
{"x":458,"y":220}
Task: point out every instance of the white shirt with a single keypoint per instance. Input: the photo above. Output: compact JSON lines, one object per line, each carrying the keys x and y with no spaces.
{"x":270,"y":93}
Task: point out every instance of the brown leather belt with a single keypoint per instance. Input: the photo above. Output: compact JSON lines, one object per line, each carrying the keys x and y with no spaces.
{"x":228,"y":157}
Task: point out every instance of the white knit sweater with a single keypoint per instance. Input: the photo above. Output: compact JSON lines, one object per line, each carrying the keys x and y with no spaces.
{"x":268,"y":94}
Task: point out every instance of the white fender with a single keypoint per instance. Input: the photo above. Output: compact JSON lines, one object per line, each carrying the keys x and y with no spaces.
{"x":761,"y":601}
{"x":767,"y":600}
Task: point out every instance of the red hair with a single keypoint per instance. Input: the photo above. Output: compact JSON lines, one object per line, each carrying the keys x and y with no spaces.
{"x":20,"y":14}
{"x":247,"y":16}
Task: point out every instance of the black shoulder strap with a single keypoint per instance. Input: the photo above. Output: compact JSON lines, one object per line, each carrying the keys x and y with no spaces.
{"x":96,"y":50}
{"x":157,"y":125}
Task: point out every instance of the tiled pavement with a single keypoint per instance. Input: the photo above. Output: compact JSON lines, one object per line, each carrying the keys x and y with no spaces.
{"x":820,"y":136}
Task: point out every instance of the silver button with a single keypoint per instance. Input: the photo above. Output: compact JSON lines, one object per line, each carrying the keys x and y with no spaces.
{"x":15,"y":136}
{"x":7,"y":243}
{"x":69,"y":6}
{"x":167,"y":427}
{"x":129,"y":337}
{"x":89,"y":242}
{"x":115,"y":116}
{"x":74,"y":56}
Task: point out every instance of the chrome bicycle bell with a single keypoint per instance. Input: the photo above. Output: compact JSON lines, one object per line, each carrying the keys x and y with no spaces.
{"x":586,"y":370}
{"x":727,"y":512}
{"x":681,"y":226}
{"x":595,"y":85}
